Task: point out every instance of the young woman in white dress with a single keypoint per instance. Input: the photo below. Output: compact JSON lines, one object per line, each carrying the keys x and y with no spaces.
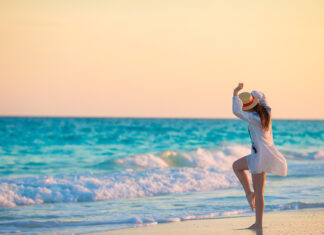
{"x":264,"y":158}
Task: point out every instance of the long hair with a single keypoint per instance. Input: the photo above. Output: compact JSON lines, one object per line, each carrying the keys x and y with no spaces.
{"x":264,"y":116}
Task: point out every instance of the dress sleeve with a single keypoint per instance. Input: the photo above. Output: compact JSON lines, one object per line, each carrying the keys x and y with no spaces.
{"x":262,"y":98}
{"x":246,"y":116}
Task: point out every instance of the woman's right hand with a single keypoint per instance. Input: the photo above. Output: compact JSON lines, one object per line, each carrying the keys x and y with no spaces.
{"x":237,"y":89}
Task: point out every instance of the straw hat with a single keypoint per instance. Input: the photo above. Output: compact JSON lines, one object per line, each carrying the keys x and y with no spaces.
{"x":248,"y":100}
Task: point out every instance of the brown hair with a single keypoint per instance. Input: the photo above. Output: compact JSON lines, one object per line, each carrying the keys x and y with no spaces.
{"x":264,"y":116}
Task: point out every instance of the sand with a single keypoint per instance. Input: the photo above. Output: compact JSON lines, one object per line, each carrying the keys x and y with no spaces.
{"x":306,"y":221}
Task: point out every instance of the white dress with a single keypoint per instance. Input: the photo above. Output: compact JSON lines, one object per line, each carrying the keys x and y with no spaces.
{"x":264,"y":155}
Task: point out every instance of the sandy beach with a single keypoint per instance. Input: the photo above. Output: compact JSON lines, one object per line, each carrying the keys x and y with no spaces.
{"x":306,"y":221}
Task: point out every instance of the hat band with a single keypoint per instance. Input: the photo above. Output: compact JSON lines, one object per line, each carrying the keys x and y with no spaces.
{"x":247,"y":104}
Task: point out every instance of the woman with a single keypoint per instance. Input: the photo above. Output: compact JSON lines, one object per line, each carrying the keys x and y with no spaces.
{"x":264,"y":157}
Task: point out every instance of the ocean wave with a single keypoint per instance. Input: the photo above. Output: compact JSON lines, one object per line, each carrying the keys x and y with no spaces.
{"x":146,"y":175}
{"x":305,"y":155}
{"x":221,"y":159}
{"x":295,"y":206}
{"x":170,"y":172}
{"x":126,"y":184}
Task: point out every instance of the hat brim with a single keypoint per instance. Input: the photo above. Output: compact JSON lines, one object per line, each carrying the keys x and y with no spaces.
{"x":251,"y":106}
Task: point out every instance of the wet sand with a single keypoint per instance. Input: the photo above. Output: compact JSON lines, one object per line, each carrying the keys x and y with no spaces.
{"x":306,"y":221}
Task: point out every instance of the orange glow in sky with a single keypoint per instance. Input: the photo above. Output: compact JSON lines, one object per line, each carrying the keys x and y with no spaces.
{"x":160,"y":58}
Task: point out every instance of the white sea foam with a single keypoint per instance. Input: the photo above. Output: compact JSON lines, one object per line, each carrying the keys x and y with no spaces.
{"x":318,"y":155}
{"x":150,"y":221}
{"x":143,"y":161}
{"x":201,"y":158}
{"x":127,"y":184}
{"x":200,"y":170}
{"x":305,"y":155}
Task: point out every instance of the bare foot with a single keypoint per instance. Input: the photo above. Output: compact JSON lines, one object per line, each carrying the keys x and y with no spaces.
{"x":255,"y":227}
{"x":250,"y":197}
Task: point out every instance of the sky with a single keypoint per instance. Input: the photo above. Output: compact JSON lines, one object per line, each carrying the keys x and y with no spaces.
{"x":148,"y":58}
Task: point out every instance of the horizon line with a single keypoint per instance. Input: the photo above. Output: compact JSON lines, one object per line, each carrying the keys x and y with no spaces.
{"x":145,"y":117}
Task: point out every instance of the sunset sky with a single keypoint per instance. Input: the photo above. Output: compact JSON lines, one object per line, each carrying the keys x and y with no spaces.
{"x":146,"y":58}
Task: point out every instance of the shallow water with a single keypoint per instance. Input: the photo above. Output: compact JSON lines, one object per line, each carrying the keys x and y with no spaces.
{"x":75,"y":175}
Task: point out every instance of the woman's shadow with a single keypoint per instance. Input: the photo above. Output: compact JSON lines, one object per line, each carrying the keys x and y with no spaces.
{"x":258,"y":231}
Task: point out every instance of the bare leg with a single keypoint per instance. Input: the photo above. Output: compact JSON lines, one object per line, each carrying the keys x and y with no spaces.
{"x":258,"y":185}
{"x":239,"y":167}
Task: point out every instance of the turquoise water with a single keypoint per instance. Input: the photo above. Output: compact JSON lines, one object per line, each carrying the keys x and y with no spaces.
{"x":75,"y":175}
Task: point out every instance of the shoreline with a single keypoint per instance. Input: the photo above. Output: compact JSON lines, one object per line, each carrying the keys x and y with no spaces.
{"x":301,"y":221}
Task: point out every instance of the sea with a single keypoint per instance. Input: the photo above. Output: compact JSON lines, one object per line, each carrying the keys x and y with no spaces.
{"x":82,"y":175}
